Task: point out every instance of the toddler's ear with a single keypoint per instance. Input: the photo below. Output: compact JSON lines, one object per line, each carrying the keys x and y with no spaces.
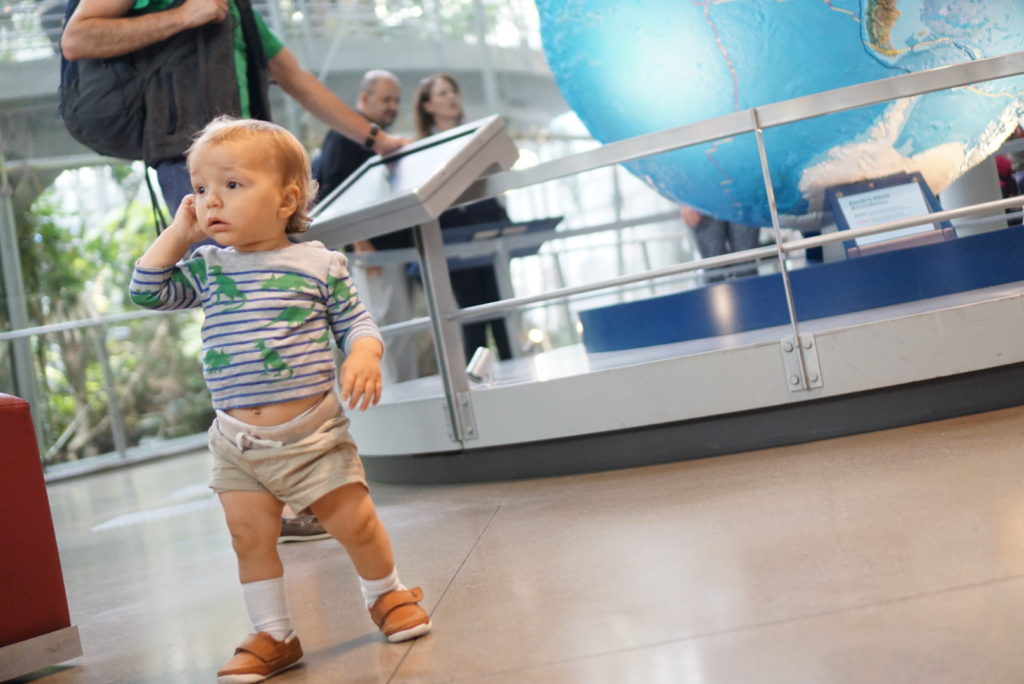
{"x":289,"y":201}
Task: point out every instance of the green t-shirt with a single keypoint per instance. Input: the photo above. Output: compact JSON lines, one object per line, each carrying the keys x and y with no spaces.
{"x":271,"y":44}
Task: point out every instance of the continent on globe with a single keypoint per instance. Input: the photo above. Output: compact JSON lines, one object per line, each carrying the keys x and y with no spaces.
{"x":629,"y":68}
{"x":883,"y":15}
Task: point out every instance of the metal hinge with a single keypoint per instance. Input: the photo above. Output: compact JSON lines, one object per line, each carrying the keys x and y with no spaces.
{"x":792,"y":353}
{"x":464,"y":407}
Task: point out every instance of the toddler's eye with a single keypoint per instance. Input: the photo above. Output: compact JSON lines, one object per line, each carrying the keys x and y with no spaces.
{"x":201,"y":190}
{"x":232,"y":185}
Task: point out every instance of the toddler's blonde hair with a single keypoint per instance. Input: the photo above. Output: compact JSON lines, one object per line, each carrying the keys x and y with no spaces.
{"x":283,"y":150}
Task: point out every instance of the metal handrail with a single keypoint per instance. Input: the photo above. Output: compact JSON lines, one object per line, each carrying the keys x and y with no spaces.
{"x":481,"y":311}
{"x":485,"y":247}
{"x":747,"y":121}
{"x":83,"y":323}
{"x":486,"y":310}
{"x":477,"y":248}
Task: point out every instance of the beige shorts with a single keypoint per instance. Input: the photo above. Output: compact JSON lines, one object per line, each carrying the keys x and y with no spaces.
{"x":298,"y":461}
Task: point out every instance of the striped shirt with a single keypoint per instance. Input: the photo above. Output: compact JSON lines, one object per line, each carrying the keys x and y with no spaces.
{"x":270,"y":317}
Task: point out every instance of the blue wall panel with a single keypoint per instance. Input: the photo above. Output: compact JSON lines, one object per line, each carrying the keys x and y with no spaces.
{"x":822,"y":290}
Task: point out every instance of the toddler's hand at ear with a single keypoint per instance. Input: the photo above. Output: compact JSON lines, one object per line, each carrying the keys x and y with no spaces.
{"x":185,"y":220}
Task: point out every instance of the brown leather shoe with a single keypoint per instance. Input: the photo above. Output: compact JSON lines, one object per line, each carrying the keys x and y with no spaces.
{"x":301,"y":528}
{"x":260,"y":656}
{"x":399,"y":616}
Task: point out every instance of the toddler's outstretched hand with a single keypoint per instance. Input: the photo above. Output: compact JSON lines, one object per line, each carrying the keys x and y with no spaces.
{"x":360,"y":374}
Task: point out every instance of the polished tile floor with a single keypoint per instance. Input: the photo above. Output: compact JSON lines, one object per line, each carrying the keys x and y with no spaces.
{"x":895,"y":556}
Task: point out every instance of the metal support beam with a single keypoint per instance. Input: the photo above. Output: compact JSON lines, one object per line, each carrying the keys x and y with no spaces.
{"x":503,"y":275}
{"x":451,"y":354}
{"x":787,"y":287}
{"x":803,"y":370}
{"x":117,"y":426}
{"x":14,"y":287}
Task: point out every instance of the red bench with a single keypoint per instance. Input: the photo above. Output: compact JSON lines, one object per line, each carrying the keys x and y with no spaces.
{"x":35,"y":626}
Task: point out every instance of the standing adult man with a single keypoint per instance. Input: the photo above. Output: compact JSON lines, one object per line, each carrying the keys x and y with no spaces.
{"x":385,"y":288}
{"x":196,"y":91}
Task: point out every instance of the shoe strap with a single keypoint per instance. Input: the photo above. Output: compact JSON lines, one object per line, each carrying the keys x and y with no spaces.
{"x":392,"y":601}
{"x":262,"y":646}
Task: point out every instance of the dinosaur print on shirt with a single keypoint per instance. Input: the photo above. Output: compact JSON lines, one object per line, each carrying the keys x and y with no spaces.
{"x":226,"y":289}
{"x":216,"y":359}
{"x":288,"y":281}
{"x":197,"y":267}
{"x":271,"y":319}
{"x":292,"y":315}
{"x":338,"y":288}
{"x":273,"y":364}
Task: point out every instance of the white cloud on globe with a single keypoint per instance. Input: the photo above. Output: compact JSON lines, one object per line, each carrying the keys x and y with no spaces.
{"x":878,"y":157}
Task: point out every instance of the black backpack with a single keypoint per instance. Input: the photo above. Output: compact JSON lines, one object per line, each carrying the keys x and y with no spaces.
{"x":102,"y":100}
{"x":149,"y":103}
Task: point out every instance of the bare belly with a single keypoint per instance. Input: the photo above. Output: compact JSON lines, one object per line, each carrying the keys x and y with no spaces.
{"x":270,"y":415}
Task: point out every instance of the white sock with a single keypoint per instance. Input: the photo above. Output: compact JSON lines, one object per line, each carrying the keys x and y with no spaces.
{"x":374,"y":589}
{"x":268,"y":607}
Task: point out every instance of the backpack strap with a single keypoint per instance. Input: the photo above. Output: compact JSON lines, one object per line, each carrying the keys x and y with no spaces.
{"x":160,"y":220}
{"x":256,"y":63}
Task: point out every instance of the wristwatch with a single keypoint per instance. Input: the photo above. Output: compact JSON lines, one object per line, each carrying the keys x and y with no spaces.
{"x":371,"y":137}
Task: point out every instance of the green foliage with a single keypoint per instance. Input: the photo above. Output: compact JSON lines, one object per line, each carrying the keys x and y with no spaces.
{"x":29,"y":30}
{"x":75,"y":270}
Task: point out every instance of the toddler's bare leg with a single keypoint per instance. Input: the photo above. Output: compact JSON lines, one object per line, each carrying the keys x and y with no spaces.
{"x":254,"y":520}
{"x":349,"y":515}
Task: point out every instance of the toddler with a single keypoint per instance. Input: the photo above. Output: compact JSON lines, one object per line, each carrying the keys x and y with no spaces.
{"x":271,"y":309}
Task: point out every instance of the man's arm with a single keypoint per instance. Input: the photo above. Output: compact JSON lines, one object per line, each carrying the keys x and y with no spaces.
{"x":98,"y":28}
{"x":319,"y":101}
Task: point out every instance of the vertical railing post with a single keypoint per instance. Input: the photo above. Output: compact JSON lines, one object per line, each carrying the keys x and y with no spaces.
{"x":620,"y":238}
{"x":117,"y":427}
{"x":14,"y":286}
{"x":451,"y":353}
{"x":503,"y":275}
{"x":780,"y":253}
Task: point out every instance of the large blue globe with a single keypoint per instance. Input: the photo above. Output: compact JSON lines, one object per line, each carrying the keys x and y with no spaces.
{"x":630,"y":67}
